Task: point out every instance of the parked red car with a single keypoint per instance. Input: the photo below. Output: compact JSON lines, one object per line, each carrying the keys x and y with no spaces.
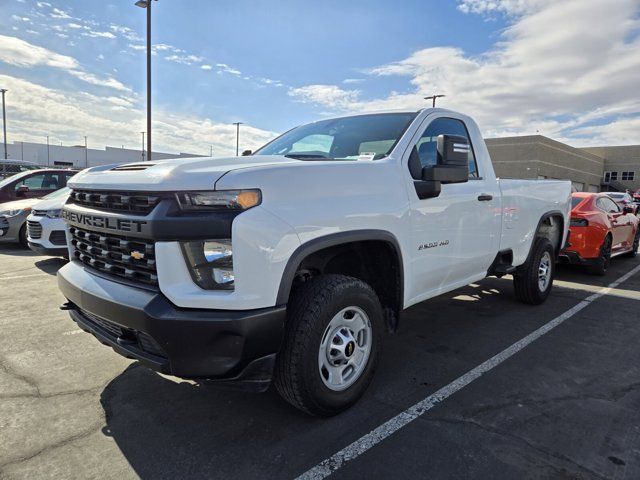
{"x":600,"y":229}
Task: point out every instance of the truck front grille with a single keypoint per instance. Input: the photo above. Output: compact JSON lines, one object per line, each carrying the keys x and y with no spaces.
{"x":131,"y":202}
{"x":34,"y":229}
{"x":130,"y":258}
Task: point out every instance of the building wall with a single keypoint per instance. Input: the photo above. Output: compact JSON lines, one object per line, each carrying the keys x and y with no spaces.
{"x":77,"y":156}
{"x":536,"y":156}
{"x":620,"y":159}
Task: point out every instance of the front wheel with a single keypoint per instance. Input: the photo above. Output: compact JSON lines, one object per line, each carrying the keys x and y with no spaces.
{"x":532,"y":283}
{"x":332,"y":344}
{"x":22,"y":237}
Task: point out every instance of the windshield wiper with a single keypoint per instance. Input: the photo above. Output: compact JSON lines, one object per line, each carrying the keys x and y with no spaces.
{"x":307,"y":156}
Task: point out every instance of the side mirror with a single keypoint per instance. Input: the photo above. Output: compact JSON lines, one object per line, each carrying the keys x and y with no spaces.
{"x":628,"y":209}
{"x":246,"y":153}
{"x":22,"y":191}
{"x":453,"y":160}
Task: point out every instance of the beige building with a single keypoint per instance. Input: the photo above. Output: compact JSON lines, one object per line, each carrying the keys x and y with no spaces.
{"x":589,"y":169}
{"x":621,"y":166}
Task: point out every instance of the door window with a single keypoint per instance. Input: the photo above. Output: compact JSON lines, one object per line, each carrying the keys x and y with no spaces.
{"x":608,"y":205}
{"x":428,"y":142}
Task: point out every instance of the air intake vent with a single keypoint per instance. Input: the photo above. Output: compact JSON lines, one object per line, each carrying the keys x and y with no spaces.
{"x":132,"y":167}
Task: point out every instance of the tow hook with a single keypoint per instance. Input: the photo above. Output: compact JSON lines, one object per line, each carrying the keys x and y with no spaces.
{"x":68,"y":306}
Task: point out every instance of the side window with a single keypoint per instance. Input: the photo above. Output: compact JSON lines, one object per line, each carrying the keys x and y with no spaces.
{"x":34,"y":182}
{"x":428,"y":141}
{"x":607,"y":205}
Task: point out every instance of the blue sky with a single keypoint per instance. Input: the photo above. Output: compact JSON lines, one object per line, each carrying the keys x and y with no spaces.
{"x":273,"y":65}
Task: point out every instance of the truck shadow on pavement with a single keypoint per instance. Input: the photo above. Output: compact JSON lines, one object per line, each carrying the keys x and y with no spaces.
{"x":51,"y":265}
{"x":168,"y":428}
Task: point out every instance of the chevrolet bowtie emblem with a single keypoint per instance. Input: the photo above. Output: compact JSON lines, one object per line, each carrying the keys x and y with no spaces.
{"x":137,"y":255}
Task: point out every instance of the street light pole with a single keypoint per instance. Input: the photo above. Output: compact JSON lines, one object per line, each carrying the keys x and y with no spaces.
{"x":237,"y":124}
{"x":142,"y":146}
{"x":4,"y":123}
{"x":47,"y":150}
{"x":86,"y":153}
{"x":433,"y":97}
{"x":147,"y":4}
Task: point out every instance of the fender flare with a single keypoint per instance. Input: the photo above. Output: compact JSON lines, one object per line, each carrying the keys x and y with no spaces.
{"x":332,"y":240}
{"x":549,"y":214}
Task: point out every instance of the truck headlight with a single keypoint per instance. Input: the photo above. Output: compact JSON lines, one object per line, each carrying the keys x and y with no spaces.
{"x":13,"y":212}
{"x":210,"y":263}
{"x":54,"y":213}
{"x":219,"y":200}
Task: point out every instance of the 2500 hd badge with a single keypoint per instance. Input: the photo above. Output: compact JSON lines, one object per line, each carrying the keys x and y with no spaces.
{"x":107,"y":223}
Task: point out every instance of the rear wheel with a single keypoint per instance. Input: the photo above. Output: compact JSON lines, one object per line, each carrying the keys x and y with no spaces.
{"x":636,"y":242}
{"x":332,"y":344}
{"x":601,"y":264}
{"x":533,"y":282}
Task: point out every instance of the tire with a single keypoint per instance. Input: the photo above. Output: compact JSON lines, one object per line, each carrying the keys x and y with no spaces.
{"x":634,"y":248}
{"x":601,"y":264}
{"x":22,"y":237}
{"x":527,"y":281}
{"x":314,"y":310}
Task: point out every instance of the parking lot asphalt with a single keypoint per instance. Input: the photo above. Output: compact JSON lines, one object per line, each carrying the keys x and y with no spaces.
{"x":565,"y":406}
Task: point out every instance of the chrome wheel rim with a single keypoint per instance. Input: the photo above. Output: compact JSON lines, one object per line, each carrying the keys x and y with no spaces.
{"x":544,"y":272}
{"x":345,"y":348}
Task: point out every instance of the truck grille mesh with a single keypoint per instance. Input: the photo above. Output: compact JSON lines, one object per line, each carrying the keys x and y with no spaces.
{"x":131,"y":202}
{"x":130,"y":258}
{"x":34,"y":229}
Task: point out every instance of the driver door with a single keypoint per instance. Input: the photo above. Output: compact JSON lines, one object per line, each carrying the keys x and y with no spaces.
{"x":455,"y":235}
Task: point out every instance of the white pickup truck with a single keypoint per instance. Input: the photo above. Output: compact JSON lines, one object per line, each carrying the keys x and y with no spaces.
{"x":289,"y":263}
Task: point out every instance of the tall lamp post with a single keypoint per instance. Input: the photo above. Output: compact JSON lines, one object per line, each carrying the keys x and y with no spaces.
{"x":237,"y":124}
{"x":147,"y":4}
{"x":142,"y":146}
{"x":47,"y":150}
{"x":433,"y":97}
{"x":86,"y":153}
{"x":4,"y":123}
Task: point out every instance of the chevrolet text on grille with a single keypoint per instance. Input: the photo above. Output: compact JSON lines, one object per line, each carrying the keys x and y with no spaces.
{"x":108,"y":223}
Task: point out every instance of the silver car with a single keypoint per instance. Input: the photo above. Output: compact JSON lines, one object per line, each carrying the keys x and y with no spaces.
{"x":13,"y":217}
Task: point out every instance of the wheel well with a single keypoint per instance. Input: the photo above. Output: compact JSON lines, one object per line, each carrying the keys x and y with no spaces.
{"x":375,"y":262}
{"x":551,"y":227}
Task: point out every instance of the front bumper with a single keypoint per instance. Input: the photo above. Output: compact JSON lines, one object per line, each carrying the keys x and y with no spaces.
{"x":49,"y":251}
{"x":232,"y":346}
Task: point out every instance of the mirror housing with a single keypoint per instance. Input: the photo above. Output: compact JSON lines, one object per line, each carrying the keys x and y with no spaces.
{"x":628,"y":209}
{"x":453,"y":160}
{"x":22,"y":191}
{"x":246,"y":153}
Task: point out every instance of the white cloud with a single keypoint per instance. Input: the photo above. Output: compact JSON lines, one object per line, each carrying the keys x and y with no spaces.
{"x":509,"y":7}
{"x":74,"y":25}
{"x":21,"y":19}
{"x":224,"y":68}
{"x":184,"y":59}
{"x":57,"y":13}
{"x":96,"y":34}
{"x":43,"y":4}
{"x":24,"y":54}
{"x":109,"y":82}
{"x":326,"y":95}
{"x":353,"y":80}
{"x":557,"y":66}
{"x":206,"y":67}
{"x":68,"y":115}
{"x":126,"y":32}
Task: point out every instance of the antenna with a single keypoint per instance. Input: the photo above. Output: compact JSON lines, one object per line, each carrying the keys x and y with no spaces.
{"x":433,"y":97}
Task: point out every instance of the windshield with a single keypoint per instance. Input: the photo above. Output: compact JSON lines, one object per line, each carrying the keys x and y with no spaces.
{"x":366,"y":137}
{"x":13,"y":178}
{"x":58,"y":193}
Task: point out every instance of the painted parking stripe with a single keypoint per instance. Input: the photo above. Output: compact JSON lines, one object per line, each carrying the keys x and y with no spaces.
{"x":25,"y":276}
{"x":364,"y":443}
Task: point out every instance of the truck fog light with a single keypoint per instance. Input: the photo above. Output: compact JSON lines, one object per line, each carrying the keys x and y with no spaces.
{"x":210,"y":263}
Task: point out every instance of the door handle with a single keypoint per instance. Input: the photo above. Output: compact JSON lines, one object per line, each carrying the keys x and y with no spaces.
{"x":485,"y":197}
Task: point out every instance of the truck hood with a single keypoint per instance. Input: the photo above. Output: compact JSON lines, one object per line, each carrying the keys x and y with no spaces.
{"x":169,"y":175}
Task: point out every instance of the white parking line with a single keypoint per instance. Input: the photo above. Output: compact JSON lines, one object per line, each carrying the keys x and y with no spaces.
{"x":364,"y":443}
{"x":25,"y":276}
